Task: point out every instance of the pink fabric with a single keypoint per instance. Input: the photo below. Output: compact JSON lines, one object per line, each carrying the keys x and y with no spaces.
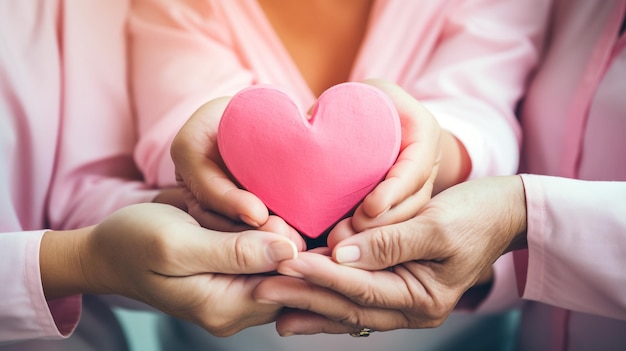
{"x":574,"y":123}
{"x":467,"y":61}
{"x":66,"y":144}
{"x":24,"y":312}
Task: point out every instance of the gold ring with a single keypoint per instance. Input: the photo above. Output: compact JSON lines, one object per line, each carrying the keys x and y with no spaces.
{"x":363,"y":333}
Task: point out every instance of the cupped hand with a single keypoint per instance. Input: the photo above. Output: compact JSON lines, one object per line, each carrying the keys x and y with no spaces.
{"x":201,"y":173}
{"x":159,"y":255}
{"x":409,"y":183}
{"x":406,"y":275}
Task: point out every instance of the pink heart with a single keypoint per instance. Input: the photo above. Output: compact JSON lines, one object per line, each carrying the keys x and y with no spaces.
{"x":311,"y":172}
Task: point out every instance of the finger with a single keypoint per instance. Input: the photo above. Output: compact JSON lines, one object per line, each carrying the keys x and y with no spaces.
{"x":405,"y":210}
{"x":387,"y":246}
{"x":384,"y":288}
{"x":277,"y":225}
{"x":199,"y":168}
{"x":298,"y":322}
{"x":212,"y":220}
{"x":341,"y":231}
{"x":194,"y":250}
{"x":345,"y":315}
{"x":420,"y":150}
{"x":222,"y":304}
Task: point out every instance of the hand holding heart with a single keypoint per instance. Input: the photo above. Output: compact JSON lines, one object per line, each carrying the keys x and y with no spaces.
{"x":408,"y":184}
{"x":435,"y":258}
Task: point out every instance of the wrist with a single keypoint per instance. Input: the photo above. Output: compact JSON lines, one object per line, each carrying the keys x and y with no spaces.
{"x":455,"y":166}
{"x":171,"y":196}
{"x":517,"y":211}
{"x":61,"y":270}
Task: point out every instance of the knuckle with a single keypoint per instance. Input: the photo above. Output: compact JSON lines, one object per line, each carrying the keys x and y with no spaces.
{"x":352,"y":319}
{"x":223,"y":332}
{"x":434,"y":315}
{"x":218,"y":327}
{"x":426,"y":323}
{"x":160,"y":247}
{"x":386,"y":248}
{"x":242,"y":252}
{"x":365,"y":297}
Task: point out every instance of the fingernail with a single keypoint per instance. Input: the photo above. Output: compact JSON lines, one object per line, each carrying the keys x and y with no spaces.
{"x":348,"y":254}
{"x":286,"y":334}
{"x":249,"y":221}
{"x":281,"y":250}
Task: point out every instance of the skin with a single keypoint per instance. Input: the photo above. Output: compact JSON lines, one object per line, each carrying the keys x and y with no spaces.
{"x":426,"y":163}
{"x":160,"y":255}
{"x":430,"y":160}
{"x":322,"y":37}
{"x":434,"y":258}
{"x":323,"y":45}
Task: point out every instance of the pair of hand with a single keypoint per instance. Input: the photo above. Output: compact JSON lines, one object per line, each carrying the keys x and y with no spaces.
{"x":210,"y":191}
{"x":161,"y":256}
{"x":405,"y":275}
{"x":434,"y":257}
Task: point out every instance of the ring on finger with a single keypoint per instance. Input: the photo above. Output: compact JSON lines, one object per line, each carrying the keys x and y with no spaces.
{"x":363,"y":333}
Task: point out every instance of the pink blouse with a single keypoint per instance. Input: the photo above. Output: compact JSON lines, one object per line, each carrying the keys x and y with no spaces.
{"x":574,"y":119}
{"x":467,"y":61}
{"x":66,"y":141}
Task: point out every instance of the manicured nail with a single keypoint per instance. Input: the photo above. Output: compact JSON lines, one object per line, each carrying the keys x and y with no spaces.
{"x":348,"y":254}
{"x":281,"y":250}
{"x":249,"y":221}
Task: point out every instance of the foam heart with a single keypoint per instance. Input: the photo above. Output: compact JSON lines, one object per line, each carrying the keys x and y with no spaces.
{"x":311,"y":172}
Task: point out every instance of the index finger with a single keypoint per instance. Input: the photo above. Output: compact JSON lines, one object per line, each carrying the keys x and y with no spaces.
{"x":383,"y":289}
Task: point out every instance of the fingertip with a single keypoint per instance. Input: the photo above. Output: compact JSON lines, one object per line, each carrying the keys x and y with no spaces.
{"x":362,"y":222}
{"x":249,"y":221}
{"x":373,"y":205}
{"x":342,"y":230}
{"x":384,"y":196}
{"x":281,"y":250}
{"x":249,"y":208}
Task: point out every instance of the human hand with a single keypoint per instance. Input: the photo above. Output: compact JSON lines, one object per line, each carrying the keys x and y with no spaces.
{"x":409,"y":183}
{"x":210,"y":194}
{"x":161,"y":256}
{"x":406,"y":275}
{"x":207,"y":219}
{"x":209,"y":188}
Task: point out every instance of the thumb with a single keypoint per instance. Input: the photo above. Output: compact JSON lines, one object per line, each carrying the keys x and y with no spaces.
{"x":384,"y":247}
{"x":246,"y":252}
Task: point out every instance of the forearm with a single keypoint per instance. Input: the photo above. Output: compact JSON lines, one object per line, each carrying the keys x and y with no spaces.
{"x":455,"y":165}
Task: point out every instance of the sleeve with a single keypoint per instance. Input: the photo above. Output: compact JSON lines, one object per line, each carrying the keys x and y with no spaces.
{"x":576,"y":245}
{"x":478,"y":73}
{"x":170,"y":39}
{"x":24,"y":312}
{"x":95,"y":173}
